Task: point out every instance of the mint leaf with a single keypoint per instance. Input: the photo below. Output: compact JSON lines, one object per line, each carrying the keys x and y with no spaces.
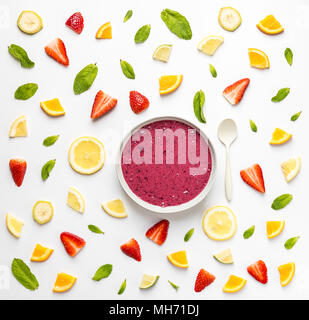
{"x":123,"y":287}
{"x":85,"y":78}
{"x":289,"y":244}
{"x":296,"y":116}
{"x":189,"y":235}
{"x":127,"y":69}
{"x":49,"y":141}
{"x":103,"y":272}
{"x":249,"y":232}
{"x":26,"y":91}
{"x":21,"y":55}
{"x":253,"y":126}
{"x":95,"y":229}
{"x":281,"y":94}
{"x":213,"y":71}
{"x":23,"y":275}
{"x":173,"y":285}
{"x":288,"y":56}
{"x":142,"y":34}
{"x":281,"y":201}
{"x":128,"y":16}
{"x":47,"y":168}
{"x":198,"y":103}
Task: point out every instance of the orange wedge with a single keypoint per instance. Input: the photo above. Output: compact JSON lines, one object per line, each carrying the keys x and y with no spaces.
{"x":258,"y":59}
{"x":64,"y":282}
{"x":169,"y":84}
{"x":234,"y":284}
{"x":287,"y":272}
{"x":270,"y":25}
{"x":280,"y":136}
{"x":105,"y":31}
{"x":274,"y":228}
{"x":41,"y":253}
{"x":53,"y":107}
{"x":179,"y":259}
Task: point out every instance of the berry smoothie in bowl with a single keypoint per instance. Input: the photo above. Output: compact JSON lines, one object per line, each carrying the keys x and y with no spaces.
{"x":166,"y":164}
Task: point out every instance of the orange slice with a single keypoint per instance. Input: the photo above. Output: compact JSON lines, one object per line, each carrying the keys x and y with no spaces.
{"x":64,"y":282}
{"x":41,"y":253}
{"x":280,"y":136}
{"x":234,"y":284}
{"x":105,"y":31}
{"x":169,"y":84}
{"x":274,"y":228}
{"x":258,"y":59}
{"x":270,"y":25}
{"x":287,"y":272}
{"x":179,"y":259}
{"x":53,"y":107}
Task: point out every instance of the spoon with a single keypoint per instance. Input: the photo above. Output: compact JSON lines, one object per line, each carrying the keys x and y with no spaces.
{"x":227,"y":133}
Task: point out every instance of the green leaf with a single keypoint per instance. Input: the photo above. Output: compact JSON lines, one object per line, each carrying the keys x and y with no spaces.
{"x":288,"y":56}
{"x":128,"y":16}
{"x":85,"y":78}
{"x":173,"y":285}
{"x":95,"y":229}
{"x":177,"y":24}
{"x":103,"y":272}
{"x":21,"y":55}
{"x":26,"y":91}
{"x":281,"y":201}
{"x":198,"y":103}
{"x":296,"y":116}
{"x":123,"y":287}
{"x":281,"y":94}
{"x":213,"y":71}
{"x":249,"y":232}
{"x":47,"y":168}
{"x":23,"y":275}
{"x":289,"y":244}
{"x":142,"y":34}
{"x":127,"y":69}
{"x":189,"y":235}
{"x":253,"y":126}
{"x":49,"y":141}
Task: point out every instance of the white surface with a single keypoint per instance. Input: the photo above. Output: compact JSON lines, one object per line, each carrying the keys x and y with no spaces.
{"x":231,"y":62}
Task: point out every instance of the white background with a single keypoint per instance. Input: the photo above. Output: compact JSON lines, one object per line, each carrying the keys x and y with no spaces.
{"x":231,"y":62}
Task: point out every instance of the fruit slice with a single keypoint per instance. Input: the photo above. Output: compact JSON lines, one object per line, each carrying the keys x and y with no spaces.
{"x":41,"y":253}
{"x":179,"y":259}
{"x":76,"y":22}
{"x":258,"y":271}
{"x":234,"y":284}
{"x":219,"y":223}
{"x":274,"y":228}
{"x":14,"y":225}
{"x":56,"y":50}
{"x":287,"y":272}
{"x":72,"y":243}
{"x":105,"y":31}
{"x":43,"y":212}
{"x":148,"y":281}
{"x":280,"y":136}
{"x":203,"y":280}
{"x":224,"y":256}
{"x":115,"y":208}
{"x":53,"y":107}
{"x":75,"y":200}
{"x":102,"y":104}
{"x":29,"y":22}
{"x":234,"y":93}
{"x":258,"y":59}
{"x":209,"y":45}
{"x":253,"y":176}
{"x":169,"y":84}
{"x":18,"y":169}
{"x":138,"y":102}
{"x":158,"y":232}
{"x":132,"y":249}
{"x":64,"y":282}
{"x":162,"y":53}
{"x":291,"y":168}
{"x":270,"y":25}
{"x":19,"y":128}
{"x":87,"y":155}
{"x":229,"y":18}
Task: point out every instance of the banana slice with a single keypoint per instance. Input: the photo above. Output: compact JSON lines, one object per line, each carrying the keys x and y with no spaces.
{"x":43,"y":212}
{"x":229,"y":18}
{"x":29,"y":22}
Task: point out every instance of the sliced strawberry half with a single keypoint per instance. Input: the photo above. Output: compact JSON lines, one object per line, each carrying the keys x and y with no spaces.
{"x":18,"y":169}
{"x":56,"y":49}
{"x":72,"y":243}
{"x":234,"y":93}
{"x":76,"y":22}
{"x":253,"y":176}
{"x":138,"y":102}
{"x":102,"y":104}
{"x":203,"y":280}
{"x":158,"y":232}
{"x":258,"y":271}
{"x":132,"y":249}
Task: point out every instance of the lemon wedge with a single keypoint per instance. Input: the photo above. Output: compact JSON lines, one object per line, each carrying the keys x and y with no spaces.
{"x":115,"y":208}
{"x":75,"y":200}
{"x":162,"y":53}
{"x":14,"y":225}
{"x":179,"y":259}
{"x":43,"y":212}
{"x":224,"y":256}
{"x":280,"y":136}
{"x":291,"y":168}
{"x":148,"y":281}
{"x":19,"y":128}
{"x":209,"y":45}
{"x":287,"y":272}
{"x":29,"y":22}
{"x":53,"y":107}
{"x":234,"y":284}
{"x":229,"y":18}
{"x":41,"y":253}
{"x":64,"y":282}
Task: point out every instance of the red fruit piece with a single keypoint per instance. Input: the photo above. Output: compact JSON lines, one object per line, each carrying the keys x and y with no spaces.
{"x":132,"y":249}
{"x":158,"y":232}
{"x":102,"y":104}
{"x":138,"y":102}
{"x":234,"y":93}
{"x":72,"y":243}
{"x":76,"y":22}
{"x":258,"y":271}
{"x":56,"y":49}
{"x":203,"y":280}
{"x":18,"y":169}
{"x":253,"y":176}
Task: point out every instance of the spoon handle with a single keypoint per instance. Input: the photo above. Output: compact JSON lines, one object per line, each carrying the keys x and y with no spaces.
{"x":228,"y":177}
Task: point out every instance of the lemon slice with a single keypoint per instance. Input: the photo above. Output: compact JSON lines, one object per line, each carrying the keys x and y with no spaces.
{"x":19,"y":128}
{"x":219,"y":223}
{"x":179,"y":259}
{"x":115,"y":208}
{"x":43,"y":212}
{"x":234,"y":284}
{"x":75,"y":200}
{"x":162,"y":53}
{"x":258,"y":59}
{"x":29,"y":22}
{"x":287,"y":272}
{"x":224,"y":256}
{"x":14,"y":225}
{"x":169,"y":83}
{"x":209,"y":45}
{"x":53,"y":107}
{"x":291,"y":168}
{"x":274,"y":228}
{"x":148,"y":281}
{"x":64,"y":282}
{"x":41,"y":253}
{"x":229,"y":18}
{"x":87,"y":155}
{"x":280,"y":136}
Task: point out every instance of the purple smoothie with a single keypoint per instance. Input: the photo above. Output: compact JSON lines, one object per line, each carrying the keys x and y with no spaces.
{"x":166,"y":163}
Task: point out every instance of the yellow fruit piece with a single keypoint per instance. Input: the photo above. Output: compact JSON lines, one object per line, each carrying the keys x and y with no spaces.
{"x":169,"y":84}
{"x":224,"y":256}
{"x":87,"y":155}
{"x":179,"y":259}
{"x":64,"y":282}
{"x":287,"y":272}
{"x":219,"y":223}
{"x":270,"y":25}
{"x":53,"y":107}
{"x":29,"y":22}
{"x":258,"y":59}
{"x":41,"y":253}
{"x":209,"y":45}
{"x":115,"y":208}
{"x":75,"y":200}
{"x":14,"y":225}
{"x":291,"y":168}
{"x":280,"y":136}
{"x":148,"y":281}
{"x":229,"y":18}
{"x":19,"y":128}
{"x":43,"y":212}
{"x":105,"y":31}
{"x":162,"y":53}
{"x":274,"y":228}
{"x":234,"y":284}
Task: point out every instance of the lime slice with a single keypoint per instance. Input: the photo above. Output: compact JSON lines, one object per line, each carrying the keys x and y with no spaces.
{"x":162,"y":53}
{"x":224,"y":256}
{"x":29,"y":22}
{"x":43,"y":212}
{"x":229,"y":18}
{"x":148,"y":281}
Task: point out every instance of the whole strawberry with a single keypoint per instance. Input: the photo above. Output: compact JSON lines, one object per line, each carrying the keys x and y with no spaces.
{"x":138,"y":102}
{"x":76,"y":22}
{"x":18,"y":169}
